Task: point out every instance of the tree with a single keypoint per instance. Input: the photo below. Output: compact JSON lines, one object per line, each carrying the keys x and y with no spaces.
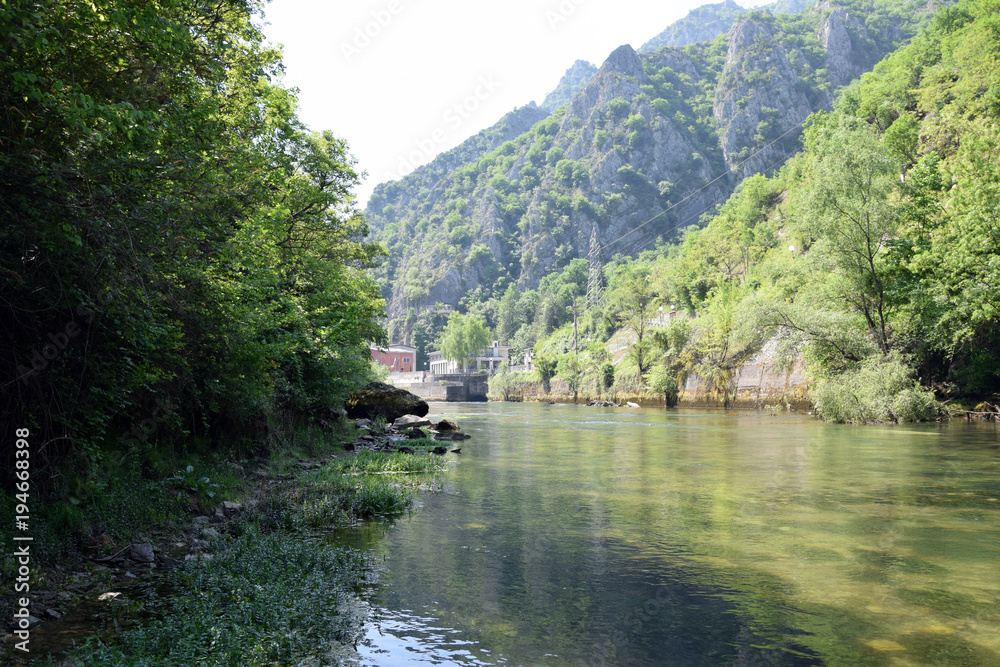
{"x":631,"y":300}
{"x":851,"y":217}
{"x":545,"y":369}
{"x":463,"y":338}
{"x":569,"y":369}
{"x":507,"y":315}
{"x":663,"y":381}
{"x":607,"y":375}
{"x":507,"y":385}
{"x":161,"y":199}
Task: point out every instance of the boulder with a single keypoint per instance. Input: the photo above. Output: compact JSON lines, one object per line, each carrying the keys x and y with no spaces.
{"x":141,"y":553}
{"x":410,"y":421}
{"x":445,"y":425}
{"x":381,"y":400}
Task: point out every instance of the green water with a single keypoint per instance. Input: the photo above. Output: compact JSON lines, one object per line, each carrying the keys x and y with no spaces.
{"x":569,"y":535}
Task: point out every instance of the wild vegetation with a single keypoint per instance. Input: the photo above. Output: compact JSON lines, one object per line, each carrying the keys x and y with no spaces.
{"x":640,"y":154}
{"x":183,"y":271}
{"x":182,"y":259}
{"x":871,"y":254}
{"x":270,"y":591}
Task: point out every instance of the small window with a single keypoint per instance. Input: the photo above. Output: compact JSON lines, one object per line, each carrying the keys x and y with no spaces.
{"x":406,"y":360}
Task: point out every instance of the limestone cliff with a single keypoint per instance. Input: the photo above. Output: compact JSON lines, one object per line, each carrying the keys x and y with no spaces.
{"x":646,"y":144}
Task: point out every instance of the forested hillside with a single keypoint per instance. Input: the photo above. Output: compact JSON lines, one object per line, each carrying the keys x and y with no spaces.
{"x":181,"y":260}
{"x":650,"y":144}
{"x":874,"y":254}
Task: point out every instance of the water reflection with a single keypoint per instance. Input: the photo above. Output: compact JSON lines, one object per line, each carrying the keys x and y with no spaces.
{"x":572,"y":535}
{"x":405,"y":638}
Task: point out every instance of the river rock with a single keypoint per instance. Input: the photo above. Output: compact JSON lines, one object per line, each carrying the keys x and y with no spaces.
{"x":141,"y":553}
{"x":168,"y":563}
{"x":630,"y":404}
{"x":445,"y":425}
{"x":382,"y":400}
{"x":410,"y":421}
{"x":440,"y":451}
{"x":450,"y":436}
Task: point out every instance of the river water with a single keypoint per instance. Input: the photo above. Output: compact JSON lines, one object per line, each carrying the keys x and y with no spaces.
{"x":568,"y":535}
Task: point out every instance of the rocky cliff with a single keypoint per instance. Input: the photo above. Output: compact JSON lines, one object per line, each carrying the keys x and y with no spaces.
{"x":707,"y":22}
{"x":649,"y":143}
{"x":702,"y":24}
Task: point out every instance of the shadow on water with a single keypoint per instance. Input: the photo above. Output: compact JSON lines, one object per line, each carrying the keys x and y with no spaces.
{"x":571,"y":535}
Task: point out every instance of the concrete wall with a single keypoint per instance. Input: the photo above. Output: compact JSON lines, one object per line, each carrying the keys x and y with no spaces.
{"x":760,"y":382}
{"x":451,"y":388}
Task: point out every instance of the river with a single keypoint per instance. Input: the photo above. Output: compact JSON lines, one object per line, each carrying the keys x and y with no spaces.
{"x":568,"y":535}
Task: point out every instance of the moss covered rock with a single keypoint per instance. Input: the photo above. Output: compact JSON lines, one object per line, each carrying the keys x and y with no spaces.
{"x":382,"y":400}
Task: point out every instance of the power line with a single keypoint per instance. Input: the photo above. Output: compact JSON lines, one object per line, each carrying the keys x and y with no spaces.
{"x":706,"y":186}
{"x":698,"y":214}
{"x":691,"y":217}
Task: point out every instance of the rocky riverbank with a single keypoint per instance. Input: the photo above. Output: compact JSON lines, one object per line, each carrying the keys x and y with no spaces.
{"x":109,"y":591}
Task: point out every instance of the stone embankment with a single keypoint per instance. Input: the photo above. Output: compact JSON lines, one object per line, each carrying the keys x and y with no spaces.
{"x":451,"y":388}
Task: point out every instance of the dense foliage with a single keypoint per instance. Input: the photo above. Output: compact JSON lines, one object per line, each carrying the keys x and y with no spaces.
{"x":181,"y":258}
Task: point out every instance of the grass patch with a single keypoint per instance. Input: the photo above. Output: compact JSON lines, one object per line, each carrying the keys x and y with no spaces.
{"x":366,"y":485}
{"x":264,"y":599}
{"x":368,"y":462}
{"x":363,"y":486}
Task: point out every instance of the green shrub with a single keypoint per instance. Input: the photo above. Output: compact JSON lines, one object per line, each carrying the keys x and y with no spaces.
{"x":879,"y":390}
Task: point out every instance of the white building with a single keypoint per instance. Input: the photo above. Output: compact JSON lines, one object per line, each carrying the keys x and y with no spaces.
{"x":489,"y":359}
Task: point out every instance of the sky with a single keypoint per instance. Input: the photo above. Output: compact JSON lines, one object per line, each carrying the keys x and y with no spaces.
{"x":404,"y":80}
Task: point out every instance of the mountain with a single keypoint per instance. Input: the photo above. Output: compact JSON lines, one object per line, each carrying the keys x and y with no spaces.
{"x":649,"y":144}
{"x":707,"y":22}
{"x":575,"y":78}
{"x":700,"y":25}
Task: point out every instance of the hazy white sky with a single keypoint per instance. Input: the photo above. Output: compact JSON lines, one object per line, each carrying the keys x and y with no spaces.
{"x":403,"y":80}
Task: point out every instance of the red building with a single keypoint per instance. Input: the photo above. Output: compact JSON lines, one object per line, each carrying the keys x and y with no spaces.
{"x":398,"y":358}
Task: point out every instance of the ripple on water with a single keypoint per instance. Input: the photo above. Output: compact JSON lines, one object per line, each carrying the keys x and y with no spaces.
{"x":403,"y":638}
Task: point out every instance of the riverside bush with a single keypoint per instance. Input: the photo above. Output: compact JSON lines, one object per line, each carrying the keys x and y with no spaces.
{"x":879,"y":390}
{"x":508,"y":385}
